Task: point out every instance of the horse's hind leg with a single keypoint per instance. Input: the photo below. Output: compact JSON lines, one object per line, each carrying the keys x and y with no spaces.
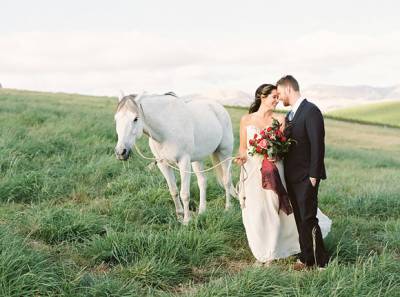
{"x":169,"y":175}
{"x":184,"y":167}
{"x":202,"y":183}
{"x":226,"y":178}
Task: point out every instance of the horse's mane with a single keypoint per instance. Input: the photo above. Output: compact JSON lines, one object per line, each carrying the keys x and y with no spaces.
{"x":132,"y":98}
{"x":126,"y":99}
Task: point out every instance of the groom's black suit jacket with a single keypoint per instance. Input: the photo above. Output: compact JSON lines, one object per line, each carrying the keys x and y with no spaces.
{"x":306,"y":156}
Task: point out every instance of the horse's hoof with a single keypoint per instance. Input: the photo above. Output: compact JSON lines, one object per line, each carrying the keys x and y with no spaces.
{"x":151,"y":167}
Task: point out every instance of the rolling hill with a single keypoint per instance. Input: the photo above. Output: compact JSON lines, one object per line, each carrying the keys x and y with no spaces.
{"x":387,"y":113}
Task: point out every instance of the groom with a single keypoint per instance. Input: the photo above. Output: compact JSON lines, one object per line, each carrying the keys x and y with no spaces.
{"x":304,"y":168}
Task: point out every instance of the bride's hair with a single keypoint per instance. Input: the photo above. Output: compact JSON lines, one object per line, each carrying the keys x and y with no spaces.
{"x":264,"y":89}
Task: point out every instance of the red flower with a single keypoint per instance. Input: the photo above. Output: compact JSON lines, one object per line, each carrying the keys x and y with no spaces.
{"x":258,"y":149}
{"x":283,"y":138}
{"x":262,"y":132}
{"x":251,"y":141}
{"x":255,"y":136}
{"x":264,"y":143}
{"x":269,"y":129}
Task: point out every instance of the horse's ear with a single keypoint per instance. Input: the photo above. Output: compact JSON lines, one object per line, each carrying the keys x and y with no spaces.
{"x":120,"y":96}
{"x":139,"y":97}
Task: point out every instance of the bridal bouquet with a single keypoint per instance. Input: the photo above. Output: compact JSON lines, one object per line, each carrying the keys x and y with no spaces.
{"x":273,"y":145}
{"x":270,"y":142}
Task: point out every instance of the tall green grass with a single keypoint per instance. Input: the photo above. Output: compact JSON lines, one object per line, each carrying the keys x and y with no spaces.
{"x":74,"y":221}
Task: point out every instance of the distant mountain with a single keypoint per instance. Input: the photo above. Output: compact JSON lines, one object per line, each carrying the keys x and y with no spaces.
{"x":394,"y":93}
{"x":327,"y":97}
{"x":331,"y":97}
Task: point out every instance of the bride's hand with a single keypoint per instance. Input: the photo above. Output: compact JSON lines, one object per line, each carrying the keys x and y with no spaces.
{"x":240,"y":160}
{"x":242,"y":203}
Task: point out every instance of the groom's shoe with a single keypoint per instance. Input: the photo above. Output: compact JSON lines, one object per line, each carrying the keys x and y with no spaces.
{"x":300,"y":266}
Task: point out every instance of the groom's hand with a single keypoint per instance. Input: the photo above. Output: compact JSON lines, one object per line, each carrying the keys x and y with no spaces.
{"x":313,"y":181}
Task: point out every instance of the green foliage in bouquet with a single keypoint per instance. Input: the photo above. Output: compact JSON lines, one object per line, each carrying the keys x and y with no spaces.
{"x":270,"y":142}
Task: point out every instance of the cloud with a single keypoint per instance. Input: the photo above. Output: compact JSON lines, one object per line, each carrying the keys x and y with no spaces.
{"x":103,"y":63}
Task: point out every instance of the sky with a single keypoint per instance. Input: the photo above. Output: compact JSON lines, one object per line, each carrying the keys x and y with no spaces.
{"x":102,"y":47}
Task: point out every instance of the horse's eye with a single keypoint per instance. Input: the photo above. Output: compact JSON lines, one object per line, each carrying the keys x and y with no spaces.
{"x":135,"y":119}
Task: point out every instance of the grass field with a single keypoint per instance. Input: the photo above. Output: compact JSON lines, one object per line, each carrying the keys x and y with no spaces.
{"x":74,"y":221}
{"x":387,"y":113}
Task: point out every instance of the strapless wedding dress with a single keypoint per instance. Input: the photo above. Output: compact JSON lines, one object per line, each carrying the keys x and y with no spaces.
{"x":270,"y":234}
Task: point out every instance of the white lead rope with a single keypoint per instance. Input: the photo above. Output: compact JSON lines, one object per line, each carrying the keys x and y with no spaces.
{"x":177,"y":168}
{"x":238,"y":188}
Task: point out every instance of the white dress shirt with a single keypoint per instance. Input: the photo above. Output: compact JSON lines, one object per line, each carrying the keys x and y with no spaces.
{"x":295,"y":107}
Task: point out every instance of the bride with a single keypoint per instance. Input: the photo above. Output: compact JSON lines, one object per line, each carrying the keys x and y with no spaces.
{"x":271,"y":234}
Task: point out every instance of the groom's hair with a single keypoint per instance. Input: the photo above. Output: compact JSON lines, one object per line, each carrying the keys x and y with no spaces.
{"x":289,"y":80}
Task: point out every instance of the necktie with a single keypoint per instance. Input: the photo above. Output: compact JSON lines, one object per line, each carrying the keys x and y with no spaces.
{"x":291,"y":114}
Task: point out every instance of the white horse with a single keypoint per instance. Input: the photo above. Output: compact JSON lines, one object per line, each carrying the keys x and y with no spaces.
{"x":181,"y":133}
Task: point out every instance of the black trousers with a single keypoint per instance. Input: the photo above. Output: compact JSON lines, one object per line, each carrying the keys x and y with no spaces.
{"x":304,"y":199}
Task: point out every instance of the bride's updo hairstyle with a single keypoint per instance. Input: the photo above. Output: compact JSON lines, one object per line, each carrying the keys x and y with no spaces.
{"x":264,"y":89}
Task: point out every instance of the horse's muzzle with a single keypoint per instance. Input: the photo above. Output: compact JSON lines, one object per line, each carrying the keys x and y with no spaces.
{"x":122,"y":154}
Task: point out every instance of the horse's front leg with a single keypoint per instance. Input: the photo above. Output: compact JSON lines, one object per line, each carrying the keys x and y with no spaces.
{"x":198,"y":167}
{"x":184,"y":167}
{"x":169,"y":176}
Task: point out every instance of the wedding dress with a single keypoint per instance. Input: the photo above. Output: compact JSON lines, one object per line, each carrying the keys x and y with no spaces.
{"x":270,"y":234}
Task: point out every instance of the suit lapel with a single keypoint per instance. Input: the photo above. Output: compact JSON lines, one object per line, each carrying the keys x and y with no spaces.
{"x":302,"y":105}
{"x":290,"y":124}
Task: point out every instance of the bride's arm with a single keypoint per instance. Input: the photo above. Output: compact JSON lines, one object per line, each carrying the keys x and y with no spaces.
{"x":242,"y":158}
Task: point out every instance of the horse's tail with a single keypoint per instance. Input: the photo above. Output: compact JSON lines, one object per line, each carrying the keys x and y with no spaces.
{"x":233,"y":191}
{"x":220,"y":175}
{"x":218,"y":170}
